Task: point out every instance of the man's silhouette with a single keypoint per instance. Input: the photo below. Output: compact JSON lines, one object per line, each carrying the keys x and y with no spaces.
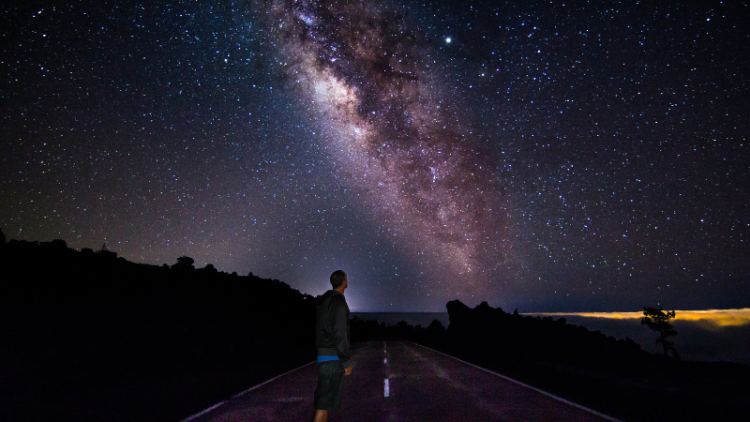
{"x":332,"y":341}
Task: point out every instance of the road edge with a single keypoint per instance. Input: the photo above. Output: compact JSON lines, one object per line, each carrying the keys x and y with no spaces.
{"x":610,"y":418}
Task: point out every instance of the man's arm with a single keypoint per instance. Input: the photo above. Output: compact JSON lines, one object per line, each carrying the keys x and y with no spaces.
{"x":339,"y":332}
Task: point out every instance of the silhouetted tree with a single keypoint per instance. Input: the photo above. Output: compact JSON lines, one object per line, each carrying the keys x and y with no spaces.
{"x":436,"y":326}
{"x":106,"y":253}
{"x":184,"y":263}
{"x":2,"y":237}
{"x":59,"y":244}
{"x":658,"y":320}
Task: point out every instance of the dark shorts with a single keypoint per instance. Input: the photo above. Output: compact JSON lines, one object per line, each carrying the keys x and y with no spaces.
{"x":330,"y":389}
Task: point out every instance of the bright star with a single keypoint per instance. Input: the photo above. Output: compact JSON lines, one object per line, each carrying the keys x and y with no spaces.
{"x":448,"y":40}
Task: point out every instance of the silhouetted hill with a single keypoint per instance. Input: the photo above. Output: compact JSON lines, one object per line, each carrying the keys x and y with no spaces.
{"x":484,"y":329}
{"x":613,"y":376}
{"x":89,"y":336}
{"x":75,"y":324}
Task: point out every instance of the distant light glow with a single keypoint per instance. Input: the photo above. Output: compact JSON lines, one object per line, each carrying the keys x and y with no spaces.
{"x":710,"y":317}
{"x":448,"y":40}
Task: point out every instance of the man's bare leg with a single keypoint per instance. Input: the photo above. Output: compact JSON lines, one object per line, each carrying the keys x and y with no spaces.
{"x":320,"y":415}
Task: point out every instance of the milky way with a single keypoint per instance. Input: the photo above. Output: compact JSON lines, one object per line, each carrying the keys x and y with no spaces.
{"x":545,"y":156}
{"x":366,"y":73}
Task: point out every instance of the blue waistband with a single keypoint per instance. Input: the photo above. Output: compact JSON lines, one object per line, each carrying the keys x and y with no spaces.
{"x":327,"y":358}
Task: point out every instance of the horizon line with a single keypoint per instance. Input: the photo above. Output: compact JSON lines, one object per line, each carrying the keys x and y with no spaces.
{"x":577,"y":313}
{"x":734,"y":317}
{"x":709,"y":318}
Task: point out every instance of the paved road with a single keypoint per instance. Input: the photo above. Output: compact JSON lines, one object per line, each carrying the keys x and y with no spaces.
{"x":401,"y":381}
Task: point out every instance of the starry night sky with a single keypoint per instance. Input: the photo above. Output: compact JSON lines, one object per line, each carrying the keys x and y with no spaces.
{"x":546,"y":156}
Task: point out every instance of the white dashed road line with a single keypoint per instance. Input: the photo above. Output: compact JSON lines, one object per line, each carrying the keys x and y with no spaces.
{"x":386,"y":387}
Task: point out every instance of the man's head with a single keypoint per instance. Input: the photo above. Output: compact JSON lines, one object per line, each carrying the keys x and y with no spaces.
{"x":339,"y":281}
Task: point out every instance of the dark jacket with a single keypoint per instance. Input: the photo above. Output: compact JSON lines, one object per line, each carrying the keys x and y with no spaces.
{"x":332,"y":328}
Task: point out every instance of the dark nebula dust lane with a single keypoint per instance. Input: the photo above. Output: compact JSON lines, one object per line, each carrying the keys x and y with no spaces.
{"x":544,"y":156}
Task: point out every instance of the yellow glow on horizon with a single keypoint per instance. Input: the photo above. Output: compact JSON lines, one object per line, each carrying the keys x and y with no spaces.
{"x":709,"y":317}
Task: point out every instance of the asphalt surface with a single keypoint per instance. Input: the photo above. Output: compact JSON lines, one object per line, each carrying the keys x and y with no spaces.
{"x":401,"y":381}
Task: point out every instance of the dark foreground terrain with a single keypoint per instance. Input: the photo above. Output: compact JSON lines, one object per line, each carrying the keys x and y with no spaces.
{"x":88,"y":336}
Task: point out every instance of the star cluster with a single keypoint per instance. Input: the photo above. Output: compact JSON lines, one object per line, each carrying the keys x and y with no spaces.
{"x":546,"y":156}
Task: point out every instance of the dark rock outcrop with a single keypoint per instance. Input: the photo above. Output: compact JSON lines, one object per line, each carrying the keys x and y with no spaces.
{"x":487,"y":333}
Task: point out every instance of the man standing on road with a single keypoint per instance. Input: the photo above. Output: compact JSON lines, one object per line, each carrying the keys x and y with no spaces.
{"x":332,"y":341}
